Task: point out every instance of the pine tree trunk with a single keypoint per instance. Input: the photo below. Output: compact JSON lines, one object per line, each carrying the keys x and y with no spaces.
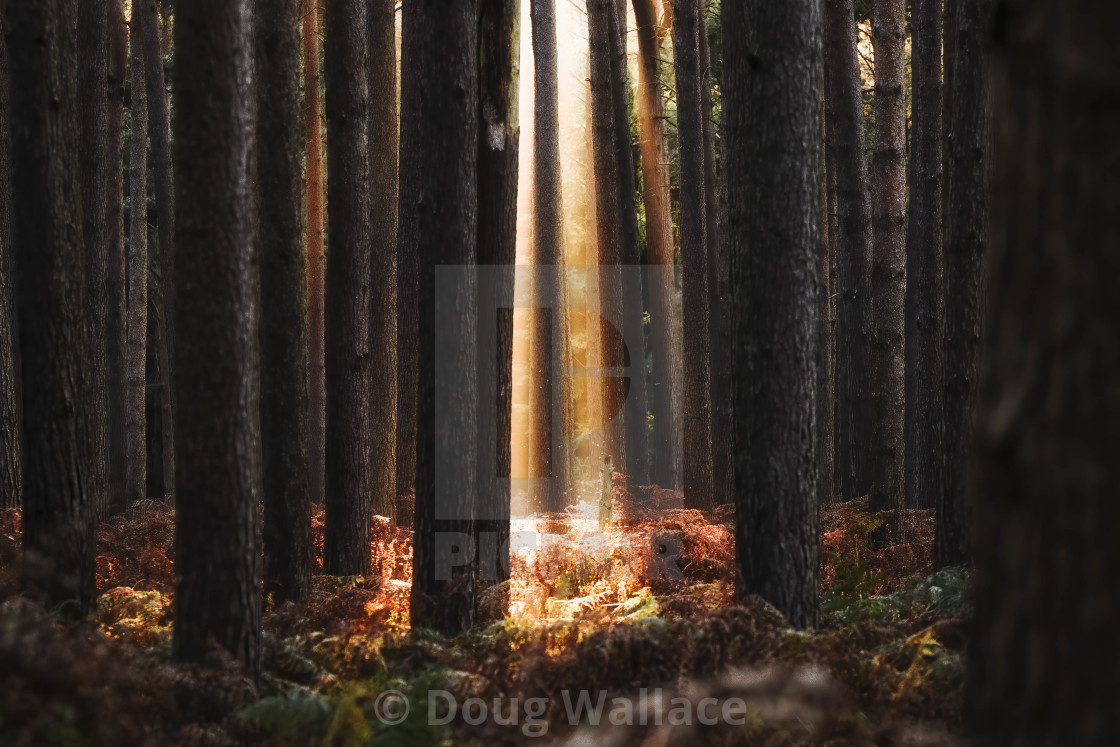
{"x":1048,"y":410}
{"x":696,"y":416}
{"x":316,"y":259}
{"x":136,"y":263}
{"x":826,"y":343}
{"x":283,"y":338}
{"x":11,"y":439}
{"x":346,"y":541}
{"x":925,"y":267}
{"x":443,"y":587}
{"x":844,"y":115}
{"x":51,"y":302}
{"x":217,"y":363}
{"x":664,"y":346}
{"x":772,"y":118}
{"x":965,"y":240}
{"x":888,"y":265}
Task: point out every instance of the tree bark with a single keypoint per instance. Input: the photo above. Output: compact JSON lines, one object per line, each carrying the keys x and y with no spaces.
{"x":51,"y":303}
{"x":444,"y":586}
{"x":826,"y":342}
{"x":283,"y":336}
{"x":965,"y":242}
{"x":664,"y":345}
{"x":925,"y":264}
{"x":316,"y":259}
{"x":1048,"y":410}
{"x":888,"y":265}
{"x":844,"y":115}
{"x":217,"y":364}
{"x":696,"y":417}
{"x":116,"y":281}
{"x":136,"y":261}
{"x":346,"y":542}
{"x":772,"y":115}
{"x":11,"y":438}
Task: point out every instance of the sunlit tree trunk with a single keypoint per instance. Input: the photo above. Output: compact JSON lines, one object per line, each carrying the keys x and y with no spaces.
{"x":11,"y":446}
{"x":772,"y":75}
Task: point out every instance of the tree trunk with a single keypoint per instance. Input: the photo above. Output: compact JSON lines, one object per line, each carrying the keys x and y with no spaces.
{"x":444,"y":583}
{"x":383,"y":150}
{"x":498,"y":140}
{"x":346,"y":541}
{"x":1048,"y":425}
{"x":772,"y":89}
{"x":136,"y":261}
{"x":664,"y":346}
{"x":283,"y":338}
{"x":697,"y":434}
{"x":826,"y":343}
{"x":11,"y":439}
{"x":217,"y":362}
{"x":888,"y":266}
{"x":633,"y":307}
{"x":313,"y":176}
{"x":965,"y":240}
{"x":550,"y":393}
{"x":925,"y":266}
{"x":844,"y":115}
{"x":161,"y":295}
{"x":51,"y":302}
{"x":608,"y":232}
{"x":116,"y":281}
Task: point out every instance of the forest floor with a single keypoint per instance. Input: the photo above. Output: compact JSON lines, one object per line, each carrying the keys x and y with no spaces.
{"x":591,"y":611}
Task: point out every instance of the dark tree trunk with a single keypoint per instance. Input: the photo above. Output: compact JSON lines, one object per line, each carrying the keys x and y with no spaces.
{"x":383,"y":152}
{"x":51,"y":302}
{"x":888,"y":265}
{"x":826,"y":344}
{"x":444,"y":585}
{"x":408,"y":324}
{"x":633,"y":309}
{"x":925,"y":266}
{"x":316,"y":259}
{"x":696,"y":416}
{"x":161,"y":295}
{"x":965,"y":240}
{"x":1048,"y":406}
{"x":136,"y":264}
{"x":217,"y":360}
{"x":844,"y":115}
{"x":116,"y":281}
{"x":608,"y":232}
{"x":283,"y":337}
{"x":346,"y":541}
{"x":664,"y":345}
{"x":93,"y":152}
{"x":550,"y":395}
{"x":772,"y":95}
{"x":11,"y":439}
{"x":498,"y":141}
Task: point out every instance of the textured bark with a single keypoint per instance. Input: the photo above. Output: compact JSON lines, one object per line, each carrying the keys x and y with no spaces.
{"x":608,"y":231}
{"x":11,"y":439}
{"x":925,"y":266}
{"x":888,"y":265}
{"x":217,"y":364}
{"x":383,"y":149}
{"x":136,"y":268}
{"x":696,"y":415}
{"x":826,"y":344}
{"x":116,"y":331}
{"x":498,"y":141}
{"x":93,"y":153}
{"x":664,"y":344}
{"x":349,"y":352}
{"x":443,"y":597}
{"x":633,"y":307}
{"x":772,"y":116}
{"x":161,"y":294}
{"x":51,"y":302}
{"x":283,"y":334}
{"x":965,"y":241}
{"x":1048,"y":407}
{"x":550,"y":394}
{"x":313,"y":175}
{"x":844,"y":115}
